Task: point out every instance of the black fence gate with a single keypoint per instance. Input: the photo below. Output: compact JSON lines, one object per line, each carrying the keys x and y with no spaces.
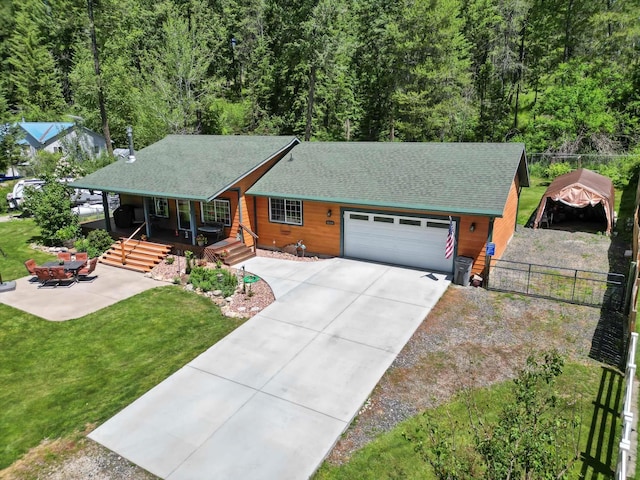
{"x":583,"y":287}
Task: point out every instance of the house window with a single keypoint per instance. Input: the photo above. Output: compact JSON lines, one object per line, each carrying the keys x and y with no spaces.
{"x":160,"y":207}
{"x":96,"y":149}
{"x":282,"y":210}
{"x":57,"y":149}
{"x":216,"y":211}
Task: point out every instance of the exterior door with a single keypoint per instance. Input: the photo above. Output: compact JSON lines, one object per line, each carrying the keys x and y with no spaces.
{"x":184,"y":215}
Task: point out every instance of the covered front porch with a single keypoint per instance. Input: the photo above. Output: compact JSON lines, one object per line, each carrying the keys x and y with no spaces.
{"x":230,"y":250}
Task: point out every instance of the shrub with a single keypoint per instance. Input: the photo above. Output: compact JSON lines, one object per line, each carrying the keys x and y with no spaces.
{"x":68,"y":232}
{"x":95,"y":244}
{"x":207,"y":279}
{"x":51,"y":210}
{"x":556,"y":169}
{"x":170,"y":260}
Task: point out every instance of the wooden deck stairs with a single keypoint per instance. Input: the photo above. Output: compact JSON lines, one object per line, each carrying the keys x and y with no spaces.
{"x":229,"y":250}
{"x":140,"y":256}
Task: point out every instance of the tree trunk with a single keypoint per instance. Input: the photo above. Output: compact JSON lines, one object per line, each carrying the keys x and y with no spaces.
{"x":312,"y":92}
{"x":96,"y":67}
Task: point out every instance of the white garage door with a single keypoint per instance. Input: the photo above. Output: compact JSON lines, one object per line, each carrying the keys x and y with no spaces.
{"x":411,"y":241}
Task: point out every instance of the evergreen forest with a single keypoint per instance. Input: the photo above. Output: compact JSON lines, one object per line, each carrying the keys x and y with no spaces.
{"x":563,"y":76}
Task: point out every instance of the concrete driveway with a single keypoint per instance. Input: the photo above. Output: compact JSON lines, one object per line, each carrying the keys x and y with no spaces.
{"x":61,"y":303}
{"x":270,"y":400}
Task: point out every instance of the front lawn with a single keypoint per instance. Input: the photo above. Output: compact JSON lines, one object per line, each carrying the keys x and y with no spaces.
{"x":16,"y":237}
{"x":596,"y":391}
{"x":55,"y":378}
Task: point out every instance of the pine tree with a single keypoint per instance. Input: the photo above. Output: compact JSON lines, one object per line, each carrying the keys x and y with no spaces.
{"x":37,"y":92}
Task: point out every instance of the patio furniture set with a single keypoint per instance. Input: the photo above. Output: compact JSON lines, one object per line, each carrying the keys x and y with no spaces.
{"x":64,"y":272}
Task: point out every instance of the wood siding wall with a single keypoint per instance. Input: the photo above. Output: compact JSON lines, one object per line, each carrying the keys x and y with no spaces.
{"x":319,"y":238}
{"x":323,"y":239}
{"x":503,"y":228}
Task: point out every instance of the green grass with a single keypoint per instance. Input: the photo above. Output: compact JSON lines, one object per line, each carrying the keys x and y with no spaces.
{"x":596,"y":390}
{"x":530,"y":198}
{"x":15,"y":239}
{"x":5,"y":187}
{"x":55,"y":378}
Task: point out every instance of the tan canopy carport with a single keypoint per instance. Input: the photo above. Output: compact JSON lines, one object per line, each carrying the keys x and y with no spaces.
{"x":579,"y":189}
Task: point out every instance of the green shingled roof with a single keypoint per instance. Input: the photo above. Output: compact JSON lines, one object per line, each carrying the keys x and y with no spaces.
{"x":471,"y":178}
{"x":194,"y":167}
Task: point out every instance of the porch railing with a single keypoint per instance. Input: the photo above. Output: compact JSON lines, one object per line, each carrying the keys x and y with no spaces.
{"x":124,"y":242}
{"x":250,"y":232}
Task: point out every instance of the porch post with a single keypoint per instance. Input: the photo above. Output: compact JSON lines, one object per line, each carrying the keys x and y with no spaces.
{"x":192,"y":220}
{"x":105,"y":211}
{"x":145,"y":208}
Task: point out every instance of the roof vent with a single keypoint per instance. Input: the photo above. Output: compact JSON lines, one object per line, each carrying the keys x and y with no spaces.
{"x":132,"y":156}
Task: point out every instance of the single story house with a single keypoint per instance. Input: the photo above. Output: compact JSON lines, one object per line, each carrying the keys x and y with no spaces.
{"x":388,"y":202}
{"x":58,"y":137}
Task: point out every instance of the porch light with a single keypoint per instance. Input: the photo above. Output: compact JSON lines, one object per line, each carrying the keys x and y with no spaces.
{"x":472,"y":227}
{"x":329,"y":213}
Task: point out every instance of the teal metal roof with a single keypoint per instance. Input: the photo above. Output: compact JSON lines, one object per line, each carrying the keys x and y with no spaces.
{"x":193,"y":167}
{"x":463,"y":178}
{"x":45,"y":131}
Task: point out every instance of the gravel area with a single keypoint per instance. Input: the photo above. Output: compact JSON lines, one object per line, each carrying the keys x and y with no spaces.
{"x":472,"y":338}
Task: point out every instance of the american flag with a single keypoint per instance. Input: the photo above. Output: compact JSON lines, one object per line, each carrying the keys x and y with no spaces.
{"x":451,"y":239}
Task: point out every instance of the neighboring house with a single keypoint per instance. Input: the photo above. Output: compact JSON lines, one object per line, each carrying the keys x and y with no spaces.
{"x":386,"y":202}
{"x":58,"y":137}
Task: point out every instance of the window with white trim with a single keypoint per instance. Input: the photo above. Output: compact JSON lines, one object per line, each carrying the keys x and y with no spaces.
{"x":159,"y":207}
{"x":283,"y":210}
{"x":218,"y":210}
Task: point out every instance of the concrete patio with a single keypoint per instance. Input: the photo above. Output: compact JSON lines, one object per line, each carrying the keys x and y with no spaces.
{"x":64,"y":303}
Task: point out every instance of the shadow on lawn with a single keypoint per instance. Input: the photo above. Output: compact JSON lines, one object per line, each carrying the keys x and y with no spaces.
{"x":610,"y":337}
{"x":600,"y":455}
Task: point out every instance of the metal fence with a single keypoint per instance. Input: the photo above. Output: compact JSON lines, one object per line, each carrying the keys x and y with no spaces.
{"x":581,"y":287}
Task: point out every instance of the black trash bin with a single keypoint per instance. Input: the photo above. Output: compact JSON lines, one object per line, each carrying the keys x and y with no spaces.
{"x":462,"y":270}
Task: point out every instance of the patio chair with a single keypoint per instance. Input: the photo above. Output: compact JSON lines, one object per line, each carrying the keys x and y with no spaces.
{"x":64,"y":279}
{"x":31,"y":266}
{"x":82,"y":256}
{"x":83,"y":273}
{"x":66,"y":256}
{"x":44,"y":277}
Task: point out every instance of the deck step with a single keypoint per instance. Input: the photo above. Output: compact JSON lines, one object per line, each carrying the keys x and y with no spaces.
{"x":229,"y":250}
{"x":140,"y":255}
